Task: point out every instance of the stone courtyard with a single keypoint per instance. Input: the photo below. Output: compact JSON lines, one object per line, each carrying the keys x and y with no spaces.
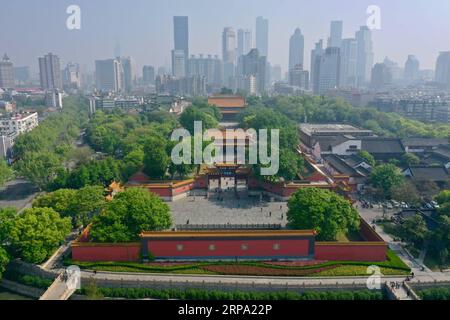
{"x":229,"y":210}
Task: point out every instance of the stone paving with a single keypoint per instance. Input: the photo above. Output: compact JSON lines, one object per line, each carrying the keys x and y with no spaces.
{"x":245,"y":210}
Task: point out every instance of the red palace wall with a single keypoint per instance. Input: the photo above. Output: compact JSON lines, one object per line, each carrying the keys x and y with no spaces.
{"x":106,"y":252}
{"x":350,"y":251}
{"x":228,"y":248}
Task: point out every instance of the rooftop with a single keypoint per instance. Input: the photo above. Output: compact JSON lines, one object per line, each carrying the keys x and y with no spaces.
{"x":228,"y":234}
{"x":331,"y":128}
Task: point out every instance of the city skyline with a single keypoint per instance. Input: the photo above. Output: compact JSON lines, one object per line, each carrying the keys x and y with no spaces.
{"x":139,"y":37}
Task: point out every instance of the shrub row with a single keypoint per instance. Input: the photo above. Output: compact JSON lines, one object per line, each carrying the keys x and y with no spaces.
{"x":197,"y":294}
{"x":435,"y":294}
{"x":28,"y":280}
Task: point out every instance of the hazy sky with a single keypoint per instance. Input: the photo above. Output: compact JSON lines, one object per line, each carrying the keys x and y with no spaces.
{"x":31,"y":28}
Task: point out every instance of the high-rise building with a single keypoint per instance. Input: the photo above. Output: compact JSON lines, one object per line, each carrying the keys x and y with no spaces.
{"x":254,"y":65}
{"x":335,"y":39}
{"x":128,"y":74}
{"x":228,"y":55}
{"x":262,"y":36}
{"x":328,"y":70}
{"x":276,"y":73}
{"x":364,"y":56}
{"x":349,"y":54}
{"x":148,"y":75}
{"x":299,"y":77}
{"x":443,"y":68}
{"x":209,"y":67}
{"x":50,"y":72}
{"x":109,"y":75}
{"x":412,"y":68}
{"x":316,"y":55}
{"x":178,"y":64}
{"x":381,"y":76}
{"x":72,"y":76}
{"x":296,"y":49}
{"x":6,"y":73}
{"x":244,"y":42}
{"x":181,"y":39}
{"x":396,"y":71}
{"x":22,"y":74}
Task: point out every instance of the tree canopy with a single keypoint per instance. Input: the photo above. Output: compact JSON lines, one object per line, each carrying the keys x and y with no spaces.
{"x":321,"y":210}
{"x":36,"y":233}
{"x":386,"y":178}
{"x":79,"y":205}
{"x":128,"y":214}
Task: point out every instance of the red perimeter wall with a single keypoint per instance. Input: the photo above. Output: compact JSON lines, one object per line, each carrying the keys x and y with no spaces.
{"x":229,"y":248}
{"x":350,"y":251}
{"x":106,"y":252}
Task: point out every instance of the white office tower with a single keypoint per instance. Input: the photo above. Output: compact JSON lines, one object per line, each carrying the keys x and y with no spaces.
{"x":228,"y":56}
{"x":109,"y":75}
{"x":296,"y":49}
{"x":443,"y":69}
{"x":72,"y":76}
{"x":128,"y":73}
{"x":6,"y":73}
{"x":50,"y":72}
{"x":244,"y":42}
{"x":349,"y":54}
{"x":178,"y":64}
{"x":364,"y":56}
{"x":328,"y":71}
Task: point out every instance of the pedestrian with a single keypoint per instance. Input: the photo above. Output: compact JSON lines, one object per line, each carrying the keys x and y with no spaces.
{"x":261,"y":209}
{"x":270,"y":214}
{"x":187,"y":222}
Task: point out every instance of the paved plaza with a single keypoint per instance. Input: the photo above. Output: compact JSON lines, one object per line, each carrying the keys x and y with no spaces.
{"x":231,"y":210}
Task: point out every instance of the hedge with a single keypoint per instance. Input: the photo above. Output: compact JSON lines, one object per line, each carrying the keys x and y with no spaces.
{"x":198,"y":294}
{"x":434,"y":294}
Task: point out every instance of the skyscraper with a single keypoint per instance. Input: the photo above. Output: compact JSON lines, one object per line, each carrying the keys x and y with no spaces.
{"x":228,"y":55}
{"x":364,"y":55}
{"x":349,"y":54}
{"x":128,"y":74}
{"x":244,"y":42}
{"x":299,"y":77}
{"x":50,"y":72}
{"x":148,"y":75}
{"x":412,"y":67}
{"x":316,"y":55}
{"x":178,"y":63}
{"x":72,"y":76}
{"x":381,"y":76}
{"x":296,"y":49}
{"x":262,"y":36}
{"x":6,"y":73}
{"x":254,"y":69}
{"x":335,"y":34}
{"x":181,"y":39}
{"x":109,"y":75}
{"x":443,"y":68}
{"x":328,"y":70}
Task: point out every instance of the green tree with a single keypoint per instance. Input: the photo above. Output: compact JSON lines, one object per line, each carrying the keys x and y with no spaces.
{"x":410,"y":159}
{"x":321,"y":210}
{"x":406,"y":192}
{"x":37,"y":233}
{"x":367,"y":157}
{"x":206,"y":116}
{"x":7,"y":216}
{"x":290,"y":164}
{"x":414,"y":230}
{"x":131,"y":212}
{"x":443,"y":199}
{"x":386,"y":178}
{"x":39,"y":168}
{"x":156,"y":159}
{"x":6,"y":172}
{"x":80,"y":205}
{"x":4,"y":260}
